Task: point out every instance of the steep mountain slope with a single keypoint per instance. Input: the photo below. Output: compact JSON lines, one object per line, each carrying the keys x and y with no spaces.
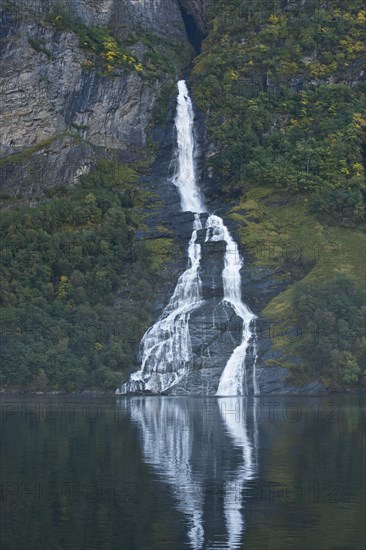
{"x":283,"y":87}
{"x":78,"y":79}
{"x":84,"y":84}
{"x":93,"y":246}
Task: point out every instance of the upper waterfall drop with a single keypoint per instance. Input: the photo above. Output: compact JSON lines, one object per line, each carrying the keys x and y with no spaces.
{"x":185,"y":174}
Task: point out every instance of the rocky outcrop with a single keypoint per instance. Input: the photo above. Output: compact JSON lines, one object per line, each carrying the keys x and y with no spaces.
{"x":49,"y":95}
{"x":272,"y":380}
{"x":215,"y":331}
{"x":68,"y":111}
{"x":194,"y":17}
{"x":159,"y":16}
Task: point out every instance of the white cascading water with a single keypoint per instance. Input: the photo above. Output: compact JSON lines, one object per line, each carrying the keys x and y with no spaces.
{"x":169,"y":429}
{"x":185,"y":174}
{"x":233,"y":379}
{"x":166,"y":347}
{"x":165,"y":351}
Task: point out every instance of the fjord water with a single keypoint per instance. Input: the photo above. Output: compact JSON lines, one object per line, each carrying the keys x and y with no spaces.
{"x":159,"y":473}
{"x":165,"y":350}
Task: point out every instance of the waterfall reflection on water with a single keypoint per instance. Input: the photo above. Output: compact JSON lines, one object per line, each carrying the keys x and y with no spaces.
{"x":205,"y":451}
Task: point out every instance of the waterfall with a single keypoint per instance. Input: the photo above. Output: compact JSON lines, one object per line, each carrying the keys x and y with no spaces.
{"x":166,"y":347}
{"x":166,"y":351}
{"x":185,"y":174}
{"x":233,"y":379}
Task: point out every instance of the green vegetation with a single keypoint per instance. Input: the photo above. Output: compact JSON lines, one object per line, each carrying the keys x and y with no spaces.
{"x":39,"y":46}
{"x":286,"y":100}
{"x":26,"y":154}
{"x":76,"y":286}
{"x":282,"y":89}
{"x":333,"y":320}
{"x":323,"y":268}
{"x":97,"y":40}
{"x":159,"y":56}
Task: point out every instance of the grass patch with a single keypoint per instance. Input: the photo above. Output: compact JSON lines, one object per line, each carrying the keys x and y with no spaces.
{"x":98,"y":40}
{"x":39,"y":45}
{"x":26,"y":154}
{"x":281,"y":233}
{"x":275,"y":229}
{"x":161,"y":250}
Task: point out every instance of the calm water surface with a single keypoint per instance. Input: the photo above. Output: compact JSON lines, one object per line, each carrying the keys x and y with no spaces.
{"x":183,"y":473}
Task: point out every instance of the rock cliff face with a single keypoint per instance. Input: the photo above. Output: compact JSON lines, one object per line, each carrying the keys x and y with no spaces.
{"x":160,"y":16}
{"x":194,"y":16}
{"x":197,"y":10}
{"x":66,"y":109}
{"x":60,"y":111}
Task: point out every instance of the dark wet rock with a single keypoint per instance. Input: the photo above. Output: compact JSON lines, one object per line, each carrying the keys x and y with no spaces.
{"x":197,"y":10}
{"x":212,"y":264}
{"x":272,"y":380}
{"x":215,"y":331}
{"x":137,"y":388}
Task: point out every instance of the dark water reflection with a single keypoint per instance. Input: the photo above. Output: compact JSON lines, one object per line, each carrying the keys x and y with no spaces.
{"x":183,"y":473}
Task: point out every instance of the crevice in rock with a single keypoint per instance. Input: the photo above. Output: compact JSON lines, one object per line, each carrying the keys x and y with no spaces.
{"x":194,"y":34}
